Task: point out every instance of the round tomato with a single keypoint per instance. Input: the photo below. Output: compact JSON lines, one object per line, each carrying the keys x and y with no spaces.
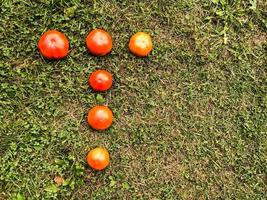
{"x":99,"y":42}
{"x":98,"y":158}
{"x":100,"y":80}
{"x":53,"y":45}
{"x":100,"y":117}
{"x":140,"y":44}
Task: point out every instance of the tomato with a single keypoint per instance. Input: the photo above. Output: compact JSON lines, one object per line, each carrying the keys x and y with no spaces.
{"x":99,"y":42}
{"x":100,"y":80}
{"x":98,"y":158}
{"x":100,"y":117}
{"x":53,"y":45}
{"x":140,"y":44}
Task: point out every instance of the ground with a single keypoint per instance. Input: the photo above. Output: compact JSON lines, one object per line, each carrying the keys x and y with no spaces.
{"x":190,"y":120}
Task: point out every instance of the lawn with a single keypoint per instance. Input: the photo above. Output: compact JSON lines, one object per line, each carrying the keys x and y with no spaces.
{"x":190,"y":119}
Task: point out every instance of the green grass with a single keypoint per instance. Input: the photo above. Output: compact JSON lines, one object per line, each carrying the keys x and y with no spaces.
{"x":190,"y":120}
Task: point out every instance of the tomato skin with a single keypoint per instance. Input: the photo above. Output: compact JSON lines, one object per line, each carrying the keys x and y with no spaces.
{"x":99,"y":42}
{"x":100,"y":80}
{"x":100,"y":117}
{"x":140,"y":44}
{"x":98,"y":158}
{"x":53,"y":45}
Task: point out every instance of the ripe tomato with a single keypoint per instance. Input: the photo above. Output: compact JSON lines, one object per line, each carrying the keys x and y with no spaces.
{"x":100,"y":117}
{"x":100,"y":80}
{"x":140,"y":44}
{"x":99,"y":42}
{"x":98,"y":158}
{"x":53,"y":45}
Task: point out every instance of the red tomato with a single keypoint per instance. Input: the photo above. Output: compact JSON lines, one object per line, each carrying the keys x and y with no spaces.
{"x":98,"y":158}
{"x":53,"y":45}
{"x":99,"y":42}
{"x":140,"y":44}
{"x":100,"y":117}
{"x":100,"y":80}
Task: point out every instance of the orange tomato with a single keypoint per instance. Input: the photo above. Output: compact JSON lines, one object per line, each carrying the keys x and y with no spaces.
{"x":99,"y":42}
{"x":53,"y":45}
{"x":98,"y":158}
{"x":100,"y":117}
{"x":100,"y":80}
{"x":140,"y":44}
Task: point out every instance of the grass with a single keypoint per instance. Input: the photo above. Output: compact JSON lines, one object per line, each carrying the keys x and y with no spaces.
{"x":190,"y":120}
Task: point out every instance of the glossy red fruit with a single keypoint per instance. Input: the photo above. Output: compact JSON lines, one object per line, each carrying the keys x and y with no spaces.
{"x":99,"y":42}
{"x":100,"y":80}
{"x":100,"y":117}
{"x":53,"y":45}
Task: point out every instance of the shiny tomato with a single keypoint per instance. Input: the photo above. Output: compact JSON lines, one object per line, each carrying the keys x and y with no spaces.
{"x":99,"y":42}
{"x":98,"y":158}
{"x":100,"y":117}
{"x":100,"y":80}
{"x":53,"y":45}
{"x":140,"y":44}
